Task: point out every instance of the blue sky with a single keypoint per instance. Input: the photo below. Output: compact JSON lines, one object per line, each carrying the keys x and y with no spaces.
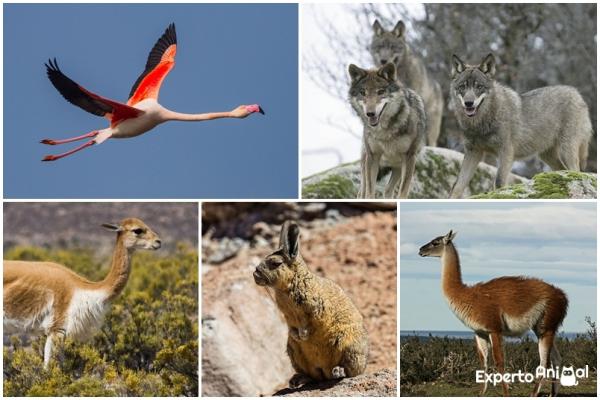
{"x":552,"y":241}
{"x":227,"y":55}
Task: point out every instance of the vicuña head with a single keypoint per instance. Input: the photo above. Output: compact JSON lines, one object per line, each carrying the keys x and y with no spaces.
{"x":49,"y":298}
{"x":135,"y":234}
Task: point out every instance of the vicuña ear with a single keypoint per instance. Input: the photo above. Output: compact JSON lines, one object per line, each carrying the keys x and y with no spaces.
{"x":488,"y":65}
{"x":113,"y":227}
{"x":388,"y":72}
{"x":458,"y":65}
{"x":377,"y":28}
{"x":356,"y":73}
{"x":399,"y":29}
{"x":288,"y":241}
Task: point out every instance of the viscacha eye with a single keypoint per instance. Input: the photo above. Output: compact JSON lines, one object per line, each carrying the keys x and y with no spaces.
{"x":381,"y":92}
{"x":363,"y":92}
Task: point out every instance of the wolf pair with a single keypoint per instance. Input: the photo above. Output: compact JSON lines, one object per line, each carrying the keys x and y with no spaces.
{"x":551,"y":121}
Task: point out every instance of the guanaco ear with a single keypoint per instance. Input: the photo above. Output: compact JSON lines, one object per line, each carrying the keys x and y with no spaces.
{"x":458,"y":66}
{"x":288,"y":241}
{"x":449,"y":237}
{"x":399,"y":29}
{"x":113,"y":227}
{"x":377,"y":28}
{"x":488,"y":65}
{"x":356,"y":73}
{"x":388,"y":72}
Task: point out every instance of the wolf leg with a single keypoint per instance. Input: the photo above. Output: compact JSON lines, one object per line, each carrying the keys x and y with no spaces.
{"x":369,"y":166}
{"x":392,"y":186}
{"x":505,"y":161}
{"x":467,"y":170}
{"x":408,"y":170}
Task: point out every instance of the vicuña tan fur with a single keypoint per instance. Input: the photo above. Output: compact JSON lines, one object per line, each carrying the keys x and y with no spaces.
{"x":506,"y":306}
{"x":327,"y":338}
{"x":48,"y":298}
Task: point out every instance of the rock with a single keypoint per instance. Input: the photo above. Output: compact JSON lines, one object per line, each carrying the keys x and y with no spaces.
{"x":549,"y":185}
{"x":378,"y":384}
{"x":435,"y":173}
{"x":243,"y":335}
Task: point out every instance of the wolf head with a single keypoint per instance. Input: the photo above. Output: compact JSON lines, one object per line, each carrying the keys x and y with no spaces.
{"x":472,"y":83}
{"x":388,"y":46}
{"x":372,"y":90}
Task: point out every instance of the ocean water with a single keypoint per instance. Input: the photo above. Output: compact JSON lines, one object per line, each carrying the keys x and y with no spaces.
{"x":471,"y":335}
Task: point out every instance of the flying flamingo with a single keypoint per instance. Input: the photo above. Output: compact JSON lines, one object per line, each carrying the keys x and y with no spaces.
{"x":142,"y":111}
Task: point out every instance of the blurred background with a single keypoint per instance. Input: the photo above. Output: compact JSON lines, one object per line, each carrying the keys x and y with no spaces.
{"x":535,"y":45}
{"x":148,"y":343}
{"x":243,"y":334}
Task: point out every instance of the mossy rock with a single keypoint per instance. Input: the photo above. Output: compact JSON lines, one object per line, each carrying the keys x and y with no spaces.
{"x":435,"y":173}
{"x":549,"y":185}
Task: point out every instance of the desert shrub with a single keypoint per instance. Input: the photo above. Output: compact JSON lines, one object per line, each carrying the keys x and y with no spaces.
{"x":148,"y":345}
{"x":443,"y":359}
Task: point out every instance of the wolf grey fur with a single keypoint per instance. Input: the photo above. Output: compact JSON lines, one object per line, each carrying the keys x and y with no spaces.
{"x":410,"y":70}
{"x":394,"y":132}
{"x":551,"y":121}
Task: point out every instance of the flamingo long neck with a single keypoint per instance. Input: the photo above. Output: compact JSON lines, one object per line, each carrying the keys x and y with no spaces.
{"x":115,"y":281}
{"x":451,"y":276}
{"x":175,"y":116}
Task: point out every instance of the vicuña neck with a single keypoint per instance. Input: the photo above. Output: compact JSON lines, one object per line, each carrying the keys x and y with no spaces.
{"x":117,"y":278}
{"x":451,"y":277}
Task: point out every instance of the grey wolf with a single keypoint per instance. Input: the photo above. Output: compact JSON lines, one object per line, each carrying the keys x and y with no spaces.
{"x":395,"y":127}
{"x":410,"y":70}
{"x":551,"y":121}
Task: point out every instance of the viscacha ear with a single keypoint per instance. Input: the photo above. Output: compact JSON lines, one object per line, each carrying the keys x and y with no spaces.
{"x":356,"y":73}
{"x":377,"y":28}
{"x":488,"y":65}
{"x":288,"y":241}
{"x":399,"y":29}
{"x":113,"y":227}
{"x":458,"y":66}
{"x":388,"y":72}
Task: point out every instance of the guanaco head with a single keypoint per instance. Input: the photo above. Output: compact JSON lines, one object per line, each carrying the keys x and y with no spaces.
{"x":279,"y":267}
{"x":135,"y":234}
{"x":435,"y":248}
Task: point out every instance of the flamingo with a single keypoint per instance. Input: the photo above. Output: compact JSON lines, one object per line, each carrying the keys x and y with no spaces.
{"x":142,"y":111}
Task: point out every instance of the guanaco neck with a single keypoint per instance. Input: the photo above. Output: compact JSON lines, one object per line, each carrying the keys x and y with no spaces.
{"x":451,"y":276}
{"x":115,"y":281}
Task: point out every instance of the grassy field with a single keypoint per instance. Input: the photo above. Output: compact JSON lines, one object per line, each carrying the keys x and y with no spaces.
{"x":442,"y":366}
{"x":147,"y":346}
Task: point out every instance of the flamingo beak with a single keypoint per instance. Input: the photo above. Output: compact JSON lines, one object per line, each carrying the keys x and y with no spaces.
{"x":255,"y":108}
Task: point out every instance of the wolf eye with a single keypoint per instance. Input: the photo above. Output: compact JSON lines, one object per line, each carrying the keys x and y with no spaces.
{"x":381,"y":92}
{"x":138,"y":231}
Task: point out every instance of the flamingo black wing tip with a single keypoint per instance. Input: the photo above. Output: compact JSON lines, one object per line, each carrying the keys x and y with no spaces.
{"x":260,"y":110}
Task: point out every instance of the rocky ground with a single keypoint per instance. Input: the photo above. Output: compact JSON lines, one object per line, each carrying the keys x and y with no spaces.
{"x":242,"y":330}
{"x":436,"y":171}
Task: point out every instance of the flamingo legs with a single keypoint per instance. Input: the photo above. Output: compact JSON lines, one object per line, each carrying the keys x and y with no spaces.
{"x":52,"y":142}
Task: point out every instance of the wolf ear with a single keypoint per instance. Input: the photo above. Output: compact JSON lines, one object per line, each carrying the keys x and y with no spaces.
{"x":377,"y":28}
{"x":289,"y":238}
{"x":399,"y":29}
{"x":488,"y":65}
{"x":113,"y":227}
{"x":356,"y":73}
{"x":449,"y":237}
{"x":388,"y":72}
{"x":458,"y":65}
